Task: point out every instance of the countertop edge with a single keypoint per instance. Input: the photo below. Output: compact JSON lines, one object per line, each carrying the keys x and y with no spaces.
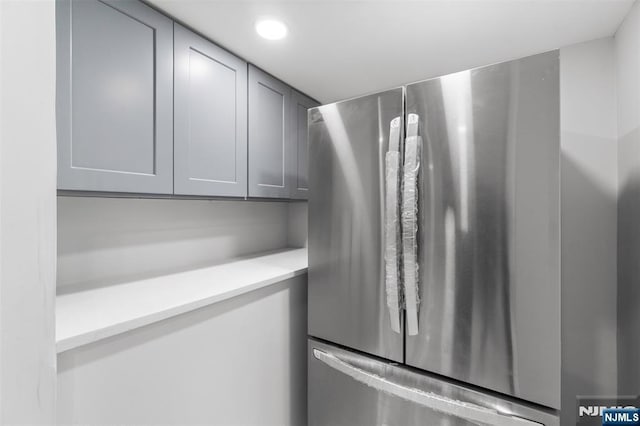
{"x":94,"y":335}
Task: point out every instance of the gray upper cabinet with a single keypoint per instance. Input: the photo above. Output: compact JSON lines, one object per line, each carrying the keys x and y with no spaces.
{"x":270,"y":141}
{"x":115,"y":97}
{"x":299,"y":106}
{"x":210,"y":118}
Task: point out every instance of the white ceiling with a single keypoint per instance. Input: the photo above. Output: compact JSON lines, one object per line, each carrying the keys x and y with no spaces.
{"x":340,"y":49}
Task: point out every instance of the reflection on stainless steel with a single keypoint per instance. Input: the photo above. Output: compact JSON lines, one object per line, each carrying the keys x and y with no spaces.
{"x":347,"y":300}
{"x":448,"y":303}
{"x":456,"y":90}
{"x":350,"y":389}
{"x":489,"y":234}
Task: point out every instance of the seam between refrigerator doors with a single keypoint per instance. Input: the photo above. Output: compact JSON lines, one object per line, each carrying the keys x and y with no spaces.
{"x":402,"y":139}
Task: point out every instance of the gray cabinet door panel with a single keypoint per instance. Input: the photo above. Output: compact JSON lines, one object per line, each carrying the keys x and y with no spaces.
{"x":270,"y":142}
{"x":115,"y":96}
{"x":210,"y":145}
{"x":300,"y":104}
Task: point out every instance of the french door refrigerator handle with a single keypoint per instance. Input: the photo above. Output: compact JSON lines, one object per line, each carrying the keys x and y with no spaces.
{"x":410,"y":222}
{"x":392,"y":225}
{"x":463,"y":410}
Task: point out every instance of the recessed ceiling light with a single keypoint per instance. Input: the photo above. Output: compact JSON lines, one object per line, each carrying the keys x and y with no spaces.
{"x":271,"y":29}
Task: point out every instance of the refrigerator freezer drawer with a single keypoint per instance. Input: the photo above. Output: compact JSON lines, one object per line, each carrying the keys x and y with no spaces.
{"x":346,"y":388}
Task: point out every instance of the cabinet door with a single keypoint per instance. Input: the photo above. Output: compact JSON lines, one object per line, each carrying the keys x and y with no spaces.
{"x":115,"y":97}
{"x":210,"y":142}
{"x":299,"y":106}
{"x":270,"y":142}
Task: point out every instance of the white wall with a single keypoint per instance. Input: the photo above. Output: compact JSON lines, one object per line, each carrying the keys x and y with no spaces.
{"x":298,"y":223}
{"x":103,"y":241}
{"x":589,"y":222}
{"x":627,"y":48}
{"x":239,"y":362}
{"x":27,"y":212}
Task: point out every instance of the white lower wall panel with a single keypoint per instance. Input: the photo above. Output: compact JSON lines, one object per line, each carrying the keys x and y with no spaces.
{"x":238,"y":362}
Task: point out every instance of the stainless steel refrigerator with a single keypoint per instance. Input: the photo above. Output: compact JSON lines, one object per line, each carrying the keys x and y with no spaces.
{"x":434,"y":251}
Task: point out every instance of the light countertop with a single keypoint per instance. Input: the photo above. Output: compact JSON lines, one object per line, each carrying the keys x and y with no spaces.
{"x":90,"y":315}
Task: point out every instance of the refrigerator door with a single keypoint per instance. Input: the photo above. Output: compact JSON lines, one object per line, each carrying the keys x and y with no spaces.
{"x":488,"y":233}
{"x":348,"y":148}
{"x":349,"y":389}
